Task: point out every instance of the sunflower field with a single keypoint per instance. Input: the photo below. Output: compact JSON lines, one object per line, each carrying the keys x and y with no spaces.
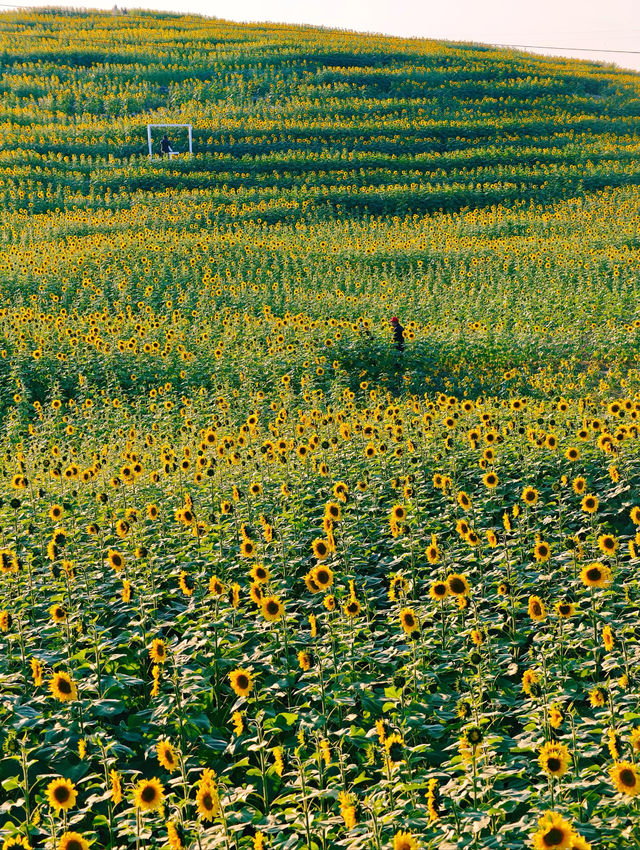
{"x":267,"y":581}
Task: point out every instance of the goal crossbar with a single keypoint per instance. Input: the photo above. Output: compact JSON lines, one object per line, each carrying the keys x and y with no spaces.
{"x":150,"y":127}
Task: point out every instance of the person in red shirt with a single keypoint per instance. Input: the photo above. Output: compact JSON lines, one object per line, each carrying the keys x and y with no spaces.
{"x":398,"y":334}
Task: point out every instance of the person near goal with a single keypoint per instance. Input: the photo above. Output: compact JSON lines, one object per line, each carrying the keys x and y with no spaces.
{"x":165,"y":146}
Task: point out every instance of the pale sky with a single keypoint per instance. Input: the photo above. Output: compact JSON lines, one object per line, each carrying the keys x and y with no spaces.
{"x":590,"y":24}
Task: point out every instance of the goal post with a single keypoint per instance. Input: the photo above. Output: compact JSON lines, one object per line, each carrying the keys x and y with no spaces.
{"x":171,"y":153}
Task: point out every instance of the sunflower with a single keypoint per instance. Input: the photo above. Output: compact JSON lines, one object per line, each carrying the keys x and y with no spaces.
{"x":58,"y":613}
{"x":126,"y":591}
{"x":352,"y":608}
{"x":572,"y":453}
{"x":248,"y":548}
{"x":16,"y":843}
{"x":341,"y":491}
{"x":238,"y":723}
{"x":148,"y":794}
{"x":579,"y":843}
{"x":347,"y":809}
{"x":462,"y":527}
{"x":607,"y":543}
{"x":595,"y":575}
{"x":158,"y":651}
{"x":216,"y":587}
{"x":634,"y":513}
{"x":61,"y":794}
{"x":208,"y":801}
{"x":556,"y":717}
{"x":490,"y":480}
{"x":321,"y":548}
{"x":439,"y":590}
{"x":333,"y":511}
{"x":565,"y":609}
{"x":464,"y":501}
{"x":613,"y":744}
{"x":404,"y":841}
{"x":173,"y":836}
{"x":260,"y":573}
{"x":432,"y":551}
{"x":115,"y":560}
{"x":554,"y":758}
{"x":624,"y":775}
{"x":187,"y":583}
{"x":579,"y":485}
{"x":542,"y":552}
{"x":458,"y":584}
{"x":322,"y":577}
{"x":55,"y":512}
{"x":36,"y":672}
{"x":9,"y":562}
{"x":329,"y":602}
{"x":305,"y":660}
{"x":554,"y":833}
{"x":607,"y":637}
{"x":116,"y":787}
{"x":590,"y":503}
{"x":234,"y":595}
{"x":472,"y":538}
{"x":530,"y":496}
{"x":409,"y":621}
{"x":166,"y":756}
{"x":531,"y":683}
{"x":122,"y":528}
{"x":73,"y":841}
{"x":474,"y":735}
{"x":272,"y":608}
{"x":398,"y":514}
{"x":394,"y":745}
{"x":537,"y":611}
{"x":63,"y":687}
{"x":255,"y":594}
{"x":241,"y":681}
{"x":597,"y":697}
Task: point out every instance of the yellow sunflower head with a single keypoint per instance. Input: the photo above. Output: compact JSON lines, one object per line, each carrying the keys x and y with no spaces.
{"x":241,"y":681}
{"x":554,"y":833}
{"x":272,"y":608}
{"x":148,"y":794}
{"x":625,"y":778}
{"x":63,"y":687}
{"x":61,"y":794}
{"x":409,"y":621}
{"x":166,"y":755}
{"x":73,"y":841}
{"x":458,"y":584}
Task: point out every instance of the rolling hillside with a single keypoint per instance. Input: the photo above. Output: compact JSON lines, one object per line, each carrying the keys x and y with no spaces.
{"x":267,"y":580}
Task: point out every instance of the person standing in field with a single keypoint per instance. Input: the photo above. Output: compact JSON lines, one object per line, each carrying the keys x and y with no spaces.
{"x":398,"y":334}
{"x":165,"y":146}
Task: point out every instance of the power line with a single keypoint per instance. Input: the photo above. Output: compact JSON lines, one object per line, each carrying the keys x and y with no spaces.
{"x":578,"y":49}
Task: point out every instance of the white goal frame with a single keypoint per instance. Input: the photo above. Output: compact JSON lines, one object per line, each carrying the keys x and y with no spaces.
{"x":172,"y":153}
